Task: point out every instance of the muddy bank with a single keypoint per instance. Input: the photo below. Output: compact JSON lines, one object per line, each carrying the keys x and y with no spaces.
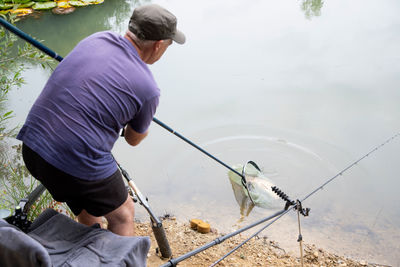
{"x":259,"y":251}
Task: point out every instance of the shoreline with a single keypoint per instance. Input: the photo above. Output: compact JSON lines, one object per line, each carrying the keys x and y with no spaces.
{"x":259,"y":251}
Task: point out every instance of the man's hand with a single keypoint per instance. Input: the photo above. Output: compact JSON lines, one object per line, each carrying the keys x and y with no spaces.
{"x":132,"y":137}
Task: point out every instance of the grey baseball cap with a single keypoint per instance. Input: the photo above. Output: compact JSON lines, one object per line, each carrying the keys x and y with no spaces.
{"x":153,"y":22}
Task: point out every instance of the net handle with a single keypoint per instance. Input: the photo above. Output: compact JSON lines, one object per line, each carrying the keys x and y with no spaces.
{"x":244,"y":182}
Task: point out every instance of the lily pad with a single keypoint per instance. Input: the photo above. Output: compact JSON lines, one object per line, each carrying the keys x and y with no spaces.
{"x":63,"y":4}
{"x":22,"y":11}
{"x":62,"y":10}
{"x":21,"y":1}
{"x":78,"y":3}
{"x":28,"y":4}
{"x":44,"y":5}
{"x":6,"y":6}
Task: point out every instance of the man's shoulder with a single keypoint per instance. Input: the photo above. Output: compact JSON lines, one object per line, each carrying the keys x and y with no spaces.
{"x":103,"y":35}
{"x":104,"y":42}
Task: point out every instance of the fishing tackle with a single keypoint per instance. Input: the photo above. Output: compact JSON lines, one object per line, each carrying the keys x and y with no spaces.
{"x":303,"y":211}
{"x":298,"y":206}
{"x":20,"y":216}
{"x":283,"y":196}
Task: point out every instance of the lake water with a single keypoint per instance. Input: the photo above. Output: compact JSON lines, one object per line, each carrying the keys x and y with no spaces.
{"x":302,"y":95}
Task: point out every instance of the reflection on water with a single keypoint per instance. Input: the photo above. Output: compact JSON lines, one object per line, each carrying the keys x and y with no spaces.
{"x":62,"y":32}
{"x":312,"y":8}
{"x":296,"y":164}
{"x":258,"y":81}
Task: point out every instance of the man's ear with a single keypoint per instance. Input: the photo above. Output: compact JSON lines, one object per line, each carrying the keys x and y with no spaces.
{"x":157,"y":45}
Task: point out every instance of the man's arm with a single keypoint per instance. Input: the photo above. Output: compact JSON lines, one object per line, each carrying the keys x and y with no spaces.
{"x":132,"y":137}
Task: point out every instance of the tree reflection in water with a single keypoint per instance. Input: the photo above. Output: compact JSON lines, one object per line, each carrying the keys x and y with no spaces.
{"x":62,"y":32}
{"x":312,"y":8}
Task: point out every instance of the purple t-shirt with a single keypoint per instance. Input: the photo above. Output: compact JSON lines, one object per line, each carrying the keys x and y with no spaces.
{"x":97,"y":89}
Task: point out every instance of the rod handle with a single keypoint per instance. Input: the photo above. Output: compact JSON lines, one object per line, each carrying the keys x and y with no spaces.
{"x":161,"y":238}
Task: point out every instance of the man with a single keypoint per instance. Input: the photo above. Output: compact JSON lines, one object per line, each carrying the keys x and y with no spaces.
{"x":102,"y":86}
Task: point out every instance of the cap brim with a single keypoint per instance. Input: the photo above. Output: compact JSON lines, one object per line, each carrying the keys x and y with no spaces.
{"x":179,"y":37}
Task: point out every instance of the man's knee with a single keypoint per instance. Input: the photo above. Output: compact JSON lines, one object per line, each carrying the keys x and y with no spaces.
{"x":123,"y":214}
{"x":85,"y":218}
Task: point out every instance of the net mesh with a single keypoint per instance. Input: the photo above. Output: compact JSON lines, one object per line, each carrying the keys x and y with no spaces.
{"x":259,"y":188}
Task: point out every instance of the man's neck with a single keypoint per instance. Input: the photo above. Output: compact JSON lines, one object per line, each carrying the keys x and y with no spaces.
{"x":128,"y":35}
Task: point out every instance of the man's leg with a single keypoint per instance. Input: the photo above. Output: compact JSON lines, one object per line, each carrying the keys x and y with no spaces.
{"x":85,"y":218}
{"x":121,"y":220}
{"x":96,"y":195}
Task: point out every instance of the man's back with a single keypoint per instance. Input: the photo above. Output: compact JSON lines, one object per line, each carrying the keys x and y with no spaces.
{"x":97,"y":89}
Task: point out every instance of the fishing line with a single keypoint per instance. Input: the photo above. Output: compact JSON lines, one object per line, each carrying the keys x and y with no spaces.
{"x":350,"y":166}
{"x":291,"y":203}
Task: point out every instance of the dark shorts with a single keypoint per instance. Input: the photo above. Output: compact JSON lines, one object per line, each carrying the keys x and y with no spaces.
{"x":96,"y":197}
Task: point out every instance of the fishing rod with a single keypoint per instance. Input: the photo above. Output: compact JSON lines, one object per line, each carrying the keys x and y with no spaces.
{"x":298,"y":204}
{"x":350,"y":166}
{"x":169,"y":129}
{"x":54,"y":55}
{"x":156,"y":224}
{"x":219,"y":240}
{"x":29,"y":39}
{"x":252,"y":236}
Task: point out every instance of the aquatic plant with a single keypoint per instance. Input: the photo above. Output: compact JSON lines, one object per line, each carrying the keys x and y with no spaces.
{"x":15,"y":181}
{"x":13,"y":60}
{"x":27,"y":7}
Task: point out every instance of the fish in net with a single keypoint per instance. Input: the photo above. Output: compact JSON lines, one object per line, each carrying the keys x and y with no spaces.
{"x":258,"y":193}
